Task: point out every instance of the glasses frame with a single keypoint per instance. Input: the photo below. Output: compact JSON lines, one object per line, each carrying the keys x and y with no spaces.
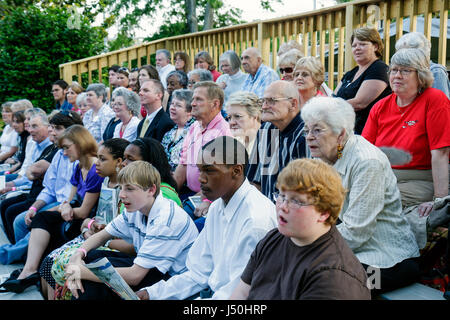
{"x":291,"y":203}
{"x":286,"y":70}
{"x":403,"y":72}
{"x":272,"y":102}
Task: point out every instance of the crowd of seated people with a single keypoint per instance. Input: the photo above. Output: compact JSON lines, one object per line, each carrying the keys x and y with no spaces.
{"x":231,"y":182}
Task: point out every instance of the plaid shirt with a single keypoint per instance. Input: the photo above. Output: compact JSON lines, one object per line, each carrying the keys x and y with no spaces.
{"x":260,"y":81}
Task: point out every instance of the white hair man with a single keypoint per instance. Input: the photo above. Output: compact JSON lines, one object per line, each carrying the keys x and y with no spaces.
{"x":260,"y":76}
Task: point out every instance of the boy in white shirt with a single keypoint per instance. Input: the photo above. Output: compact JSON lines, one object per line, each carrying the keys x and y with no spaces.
{"x":238,"y":218}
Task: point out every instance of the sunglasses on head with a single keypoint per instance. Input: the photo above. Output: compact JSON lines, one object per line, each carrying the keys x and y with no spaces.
{"x":66,"y":113}
{"x":286,"y":70}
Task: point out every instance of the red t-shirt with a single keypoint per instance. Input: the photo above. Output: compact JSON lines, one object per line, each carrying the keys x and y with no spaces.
{"x":418,"y":128}
{"x":216,"y":74}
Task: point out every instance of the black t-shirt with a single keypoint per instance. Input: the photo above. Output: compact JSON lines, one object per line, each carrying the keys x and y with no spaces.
{"x":378,"y":70}
{"x":278,"y":269}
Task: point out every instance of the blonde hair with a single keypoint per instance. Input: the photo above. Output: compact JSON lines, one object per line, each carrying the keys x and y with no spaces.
{"x":319,"y":181}
{"x":286,"y":46}
{"x":142,"y":174}
{"x":290,"y":57}
{"x":21,"y":105}
{"x":248,"y":100}
{"x":313,"y":65}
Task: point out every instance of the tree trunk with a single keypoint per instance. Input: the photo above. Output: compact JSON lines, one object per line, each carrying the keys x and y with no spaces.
{"x":209,"y":16}
{"x":191,"y":16}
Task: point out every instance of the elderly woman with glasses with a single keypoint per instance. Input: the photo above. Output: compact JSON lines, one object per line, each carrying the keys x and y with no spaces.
{"x":371,"y":219}
{"x":180,"y":113}
{"x":244,"y":116}
{"x":232,"y":78}
{"x":126,"y":104}
{"x":413,"y":118}
{"x":97,"y":118}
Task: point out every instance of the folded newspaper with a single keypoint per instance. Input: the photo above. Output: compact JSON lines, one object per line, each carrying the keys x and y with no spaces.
{"x":104,"y":270}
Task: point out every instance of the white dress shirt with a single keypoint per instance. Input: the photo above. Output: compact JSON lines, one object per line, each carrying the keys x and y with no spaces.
{"x":219,"y":255}
{"x":372,"y":221}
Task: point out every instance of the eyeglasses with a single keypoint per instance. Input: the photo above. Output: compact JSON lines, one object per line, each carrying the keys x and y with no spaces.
{"x":286,"y":70}
{"x":271,"y":101}
{"x":191,"y":82}
{"x":123,"y":69}
{"x":403,"y":72}
{"x":236,"y":117}
{"x":134,"y":69}
{"x":291,"y":203}
{"x":314,"y":132}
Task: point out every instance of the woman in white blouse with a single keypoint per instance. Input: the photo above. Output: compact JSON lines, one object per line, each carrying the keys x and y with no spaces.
{"x":371,"y":218}
{"x":8,"y":139}
{"x":126,"y":104}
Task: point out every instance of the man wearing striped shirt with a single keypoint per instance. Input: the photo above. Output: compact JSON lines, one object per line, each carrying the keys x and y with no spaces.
{"x":160,"y":231}
{"x":279,"y":140}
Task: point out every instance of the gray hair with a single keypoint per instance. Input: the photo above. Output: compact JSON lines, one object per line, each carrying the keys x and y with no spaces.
{"x":204,"y":75}
{"x":232,"y":58}
{"x":165,"y":52}
{"x":42,"y":116}
{"x":414,"y":40}
{"x":248,"y":100}
{"x":181,"y":76}
{"x":313,"y":65}
{"x":21,"y":105}
{"x":131,"y":98}
{"x":184,"y":95}
{"x":336,"y":113}
{"x":81,"y":98}
{"x":286,"y":46}
{"x":33,"y":112}
{"x":290,"y":57}
{"x":415,"y":58}
{"x":99,"y":89}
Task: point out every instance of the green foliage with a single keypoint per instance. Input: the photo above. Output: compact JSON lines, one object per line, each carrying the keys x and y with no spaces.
{"x":34,"y":42}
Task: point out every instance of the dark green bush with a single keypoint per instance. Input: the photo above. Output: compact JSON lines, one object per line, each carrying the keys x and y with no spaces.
{"x":33,"y":42}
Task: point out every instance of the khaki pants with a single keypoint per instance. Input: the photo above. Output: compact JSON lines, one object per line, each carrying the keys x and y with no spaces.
{"x":416,"y":187}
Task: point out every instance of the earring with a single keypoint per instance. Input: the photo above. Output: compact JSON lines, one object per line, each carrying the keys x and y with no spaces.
{"x":117,"y":169}
{"x":339,"y":151}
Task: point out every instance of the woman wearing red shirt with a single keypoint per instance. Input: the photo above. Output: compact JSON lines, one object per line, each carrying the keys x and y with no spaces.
{"x":413,"y":118}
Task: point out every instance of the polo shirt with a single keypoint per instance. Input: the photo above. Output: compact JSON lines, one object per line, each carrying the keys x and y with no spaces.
{"x":161,"y":240}
{"x":195,"y":139}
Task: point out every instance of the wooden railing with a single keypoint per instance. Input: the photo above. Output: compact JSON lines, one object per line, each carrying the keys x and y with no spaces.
{"x":317,"y":30}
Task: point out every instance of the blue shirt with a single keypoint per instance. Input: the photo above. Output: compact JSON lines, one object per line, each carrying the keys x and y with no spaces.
{"x":260,"y":81}
{"x":66,"y":106}
{"x":56,"y":182}
{"x":23,"y":181}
